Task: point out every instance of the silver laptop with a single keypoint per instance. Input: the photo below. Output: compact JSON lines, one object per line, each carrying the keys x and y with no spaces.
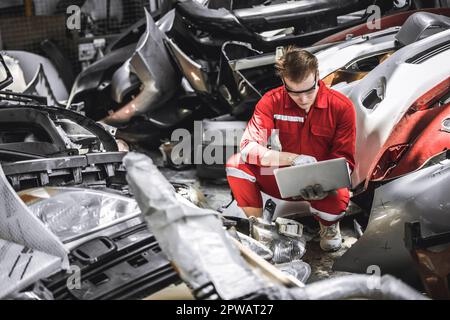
{"x":331,"y":174}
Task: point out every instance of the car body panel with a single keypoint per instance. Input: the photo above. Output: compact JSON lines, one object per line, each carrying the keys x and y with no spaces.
{"x":388,"y":21}
{"x":375,"y":121}
{"x":418,"y":196}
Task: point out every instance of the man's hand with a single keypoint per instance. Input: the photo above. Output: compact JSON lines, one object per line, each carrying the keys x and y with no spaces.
{"x":314,"y":192}
{"x":303,"y":159}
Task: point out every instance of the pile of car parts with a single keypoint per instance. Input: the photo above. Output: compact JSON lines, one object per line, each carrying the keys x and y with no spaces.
{"x":206,"y":259}
{"x":420,"y":196}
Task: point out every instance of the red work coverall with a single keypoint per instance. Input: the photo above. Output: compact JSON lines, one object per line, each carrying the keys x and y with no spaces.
{"x":328,"y":131}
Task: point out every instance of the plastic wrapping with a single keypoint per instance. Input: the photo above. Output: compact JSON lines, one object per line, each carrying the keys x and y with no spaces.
{"x":71,"y":212}
{"x":297,"y":268}
{"x":357,"y":286}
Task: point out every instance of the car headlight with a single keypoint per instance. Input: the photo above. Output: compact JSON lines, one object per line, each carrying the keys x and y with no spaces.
{"x":71,"y":212}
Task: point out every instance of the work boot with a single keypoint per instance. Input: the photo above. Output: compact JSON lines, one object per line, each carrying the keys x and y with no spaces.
{"x":330,"y":237}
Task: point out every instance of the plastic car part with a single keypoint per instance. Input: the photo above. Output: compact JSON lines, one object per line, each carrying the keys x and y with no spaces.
{"x":289,"y":228}
{"x":249,"y":73}
{"x":374,"y":126}
{"x":123,"y":83}
{"x":311,"y":20}
{"x":72,"y":212}
{"x":103,"y":169}
{"x":432,"y":257}
{"x":62,"y":64}
{"x":36,"y":292}
{"x":192,"y":70}
{"x":357,"y":70}
{"x":386,"y":22}
{"x":285,"y":242}
{"x":286,"y":249}
{"x":269,"y":210}
{"x":422,"y":196}
{"x":90,"y":86}
{"x":151,"y":63}
{"x":262,"y":231}
{"x":19,"y":123}
{"x":103,"y":263}
{"x":30,"y":64}
{"x":416,"y":137}
{"x":422,"y":26}
{"x":46,"y":120}
{"x":6,"y":76}
{"x":222,"y":138}
{"x":40,"y":86}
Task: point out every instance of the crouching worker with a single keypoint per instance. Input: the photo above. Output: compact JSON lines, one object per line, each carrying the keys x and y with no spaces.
{"x":300,"y":122}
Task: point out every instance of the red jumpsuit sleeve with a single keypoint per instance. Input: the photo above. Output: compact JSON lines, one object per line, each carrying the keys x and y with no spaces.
{"x":345,"y":136}
{"x":259,"y":128}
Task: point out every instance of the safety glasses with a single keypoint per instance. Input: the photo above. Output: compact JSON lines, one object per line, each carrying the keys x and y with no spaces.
{"x":307,"y":91}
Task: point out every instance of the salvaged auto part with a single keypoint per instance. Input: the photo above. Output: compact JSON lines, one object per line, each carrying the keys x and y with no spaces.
{"x":421,"y":196}
{"x":284,"y":237}
{"x":151,"y":64}
{"x":93,"y":84}
{"x":126,"y":264}
{"x":29,"y":65}
{"x":252,"y":72}
{"x":207,"y":260}
{"x":400,"y":81}
{"x":221,"y":269}
{"x":220,"y":139}
{"x":385,"y":22}
{"x":111,"y":89}
{"x":40,"y":86}
{"x":34,"y":132}
{"x":195,"y":39}
{"x":432,"y":257}
{"x":417,"y":136}
{"x":286,"y":249}
{"x":136,"y":88}
{"x":71,"y":212}
{"x":267,"y":24}
{"x":98,"y":221}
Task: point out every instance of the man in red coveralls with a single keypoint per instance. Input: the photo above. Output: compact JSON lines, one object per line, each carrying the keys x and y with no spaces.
{"x":300,"y":122}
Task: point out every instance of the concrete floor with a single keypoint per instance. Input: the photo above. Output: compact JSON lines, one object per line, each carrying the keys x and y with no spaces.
{"x":217,"y":194}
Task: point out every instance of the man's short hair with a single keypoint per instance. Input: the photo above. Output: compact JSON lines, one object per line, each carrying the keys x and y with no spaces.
{"x":296,"y":64}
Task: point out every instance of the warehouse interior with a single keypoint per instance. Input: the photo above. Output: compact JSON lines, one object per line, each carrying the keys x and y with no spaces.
{"x":225,"y":150}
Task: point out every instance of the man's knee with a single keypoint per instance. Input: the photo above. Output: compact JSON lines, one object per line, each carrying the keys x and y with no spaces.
{"x":243,"y":183}
{"x":331,"y":209}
